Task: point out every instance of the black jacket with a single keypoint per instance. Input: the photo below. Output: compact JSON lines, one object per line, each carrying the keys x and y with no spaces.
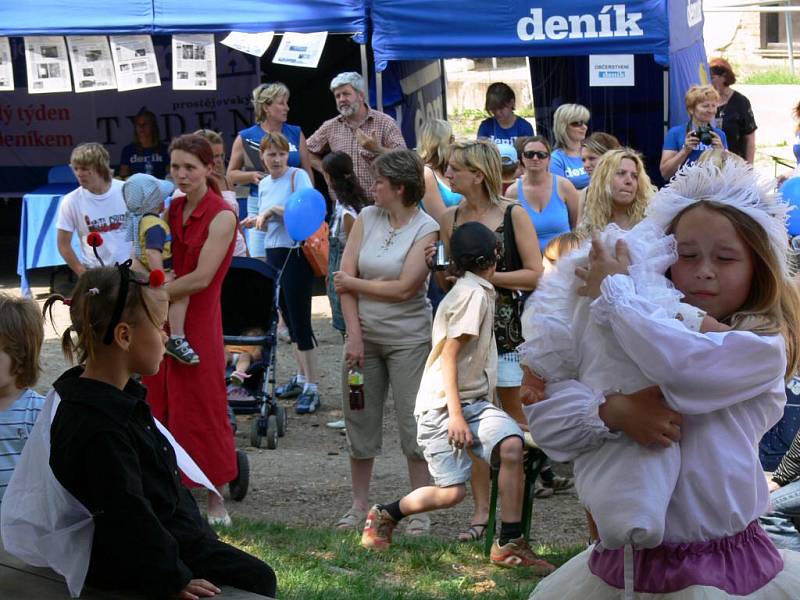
{"x":107,"y":452}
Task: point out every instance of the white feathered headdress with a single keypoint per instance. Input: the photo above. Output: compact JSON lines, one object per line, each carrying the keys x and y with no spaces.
{"x":731,"y":182}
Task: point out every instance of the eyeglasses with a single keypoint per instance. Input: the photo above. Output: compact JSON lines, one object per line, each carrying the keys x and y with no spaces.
{"x":717,"y":70}
{"x":535,"y":153}
{"x":579,"y":123}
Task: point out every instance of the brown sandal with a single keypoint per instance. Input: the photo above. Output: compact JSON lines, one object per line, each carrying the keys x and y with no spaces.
{"x":475,"y":532}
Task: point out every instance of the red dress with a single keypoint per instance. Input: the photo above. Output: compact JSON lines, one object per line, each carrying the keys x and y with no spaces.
{"x":191,"y":401}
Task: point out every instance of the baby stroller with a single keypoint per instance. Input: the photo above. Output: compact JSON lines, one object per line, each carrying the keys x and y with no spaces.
{"x":249,"y":302}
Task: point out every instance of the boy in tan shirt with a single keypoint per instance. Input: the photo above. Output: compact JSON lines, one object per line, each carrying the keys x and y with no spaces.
{"x":454,"y":408}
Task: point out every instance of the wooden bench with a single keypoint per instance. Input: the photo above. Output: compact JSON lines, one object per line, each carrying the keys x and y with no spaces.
{"x":19,"y":581}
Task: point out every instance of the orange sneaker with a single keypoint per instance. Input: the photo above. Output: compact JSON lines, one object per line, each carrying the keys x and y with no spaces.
{"x":517,"y":553}
{"x":377,"y":534}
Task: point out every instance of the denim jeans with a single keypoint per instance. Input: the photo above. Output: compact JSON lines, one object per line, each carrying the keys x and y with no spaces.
{"x":781,"y":523}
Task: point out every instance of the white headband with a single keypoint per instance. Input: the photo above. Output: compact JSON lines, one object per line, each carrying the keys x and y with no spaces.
{"x":734,"y":184}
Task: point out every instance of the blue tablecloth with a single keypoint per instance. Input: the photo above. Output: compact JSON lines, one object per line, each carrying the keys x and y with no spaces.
{"x":38,"y":246}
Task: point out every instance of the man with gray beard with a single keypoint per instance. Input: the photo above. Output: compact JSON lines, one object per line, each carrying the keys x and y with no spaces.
{"x":358,"y":130}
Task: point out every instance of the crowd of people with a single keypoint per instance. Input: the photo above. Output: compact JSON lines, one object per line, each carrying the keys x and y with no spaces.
{"x":503,"y":287}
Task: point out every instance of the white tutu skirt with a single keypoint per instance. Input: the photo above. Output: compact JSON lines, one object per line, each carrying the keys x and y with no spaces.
{"x":574,"y":581}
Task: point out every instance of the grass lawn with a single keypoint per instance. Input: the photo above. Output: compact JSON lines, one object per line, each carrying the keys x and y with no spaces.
{"x":331,"y":565}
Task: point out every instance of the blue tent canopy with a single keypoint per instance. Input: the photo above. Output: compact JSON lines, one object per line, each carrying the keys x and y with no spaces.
{"x":416,"y":29}
{"x":102,"y":17}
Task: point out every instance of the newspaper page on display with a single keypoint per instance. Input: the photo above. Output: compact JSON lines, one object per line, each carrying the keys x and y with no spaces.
{"x":92,"y":68}
{"x":194,"y":65}
{"x":301,"y":49}
{"x":47,"y":65}
{"x":134,"y":62}
{"x":6,"y":70}
{"x":254,"y":44}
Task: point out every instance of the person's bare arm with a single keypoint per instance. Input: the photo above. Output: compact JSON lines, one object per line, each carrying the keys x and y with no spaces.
{"x":528,"y":276}
{"x":643,"y":416}
{"x":305,"y":158}
{"x":354,"y":344}
{"x":458,"y":432}
{"x":64,"y":242}
{"x":571,"y":198}
{"x":750,"y":147}
{"x":220,"y":234}
{"x":154,"y":258}
{"x":412,"y":276}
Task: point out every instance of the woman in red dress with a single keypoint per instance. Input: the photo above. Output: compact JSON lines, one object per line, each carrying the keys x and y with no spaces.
{"x":190,"y":399}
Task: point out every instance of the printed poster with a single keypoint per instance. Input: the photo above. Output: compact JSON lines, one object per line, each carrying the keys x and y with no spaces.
{"x":47,"y":65}
{"x":194,"y":66}
{"x":6,"y":70}
{"x":92,"y":68}
{"x":301,"y":49}
{"x":135,"y":63}
{"x":254,"y":44}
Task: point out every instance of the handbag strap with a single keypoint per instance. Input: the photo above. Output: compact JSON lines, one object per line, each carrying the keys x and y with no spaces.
{"x":513,"y":261}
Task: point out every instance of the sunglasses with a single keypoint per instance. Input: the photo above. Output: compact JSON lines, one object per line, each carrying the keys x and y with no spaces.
{"x":579,"y":123}
{"x":717,"y":71}
{"x":535,"y":153}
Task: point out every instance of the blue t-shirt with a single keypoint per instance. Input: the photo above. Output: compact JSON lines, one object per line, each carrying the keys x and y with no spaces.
{"x":152,"y":161}
{"x":570,"y":167}
{"x":490,"y":128}
{"x":676,"y":136}
{"x":252,"y":138}
{"x":16,"y":424}
{"x":275,"y":192}
{"x":554,"y":218}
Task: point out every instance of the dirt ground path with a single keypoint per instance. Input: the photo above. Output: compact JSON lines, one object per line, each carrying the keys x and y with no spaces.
{"x":305,"y":480}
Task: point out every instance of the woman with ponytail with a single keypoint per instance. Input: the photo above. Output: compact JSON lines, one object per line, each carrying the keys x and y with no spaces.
{"x":192,"y":401}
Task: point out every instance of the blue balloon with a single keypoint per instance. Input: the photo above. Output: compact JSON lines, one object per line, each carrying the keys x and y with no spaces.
{"x":304,"y":213}
{"x":791,"y":192}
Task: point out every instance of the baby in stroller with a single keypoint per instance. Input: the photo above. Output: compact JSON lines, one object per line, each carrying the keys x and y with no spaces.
{"x":242,"y":357}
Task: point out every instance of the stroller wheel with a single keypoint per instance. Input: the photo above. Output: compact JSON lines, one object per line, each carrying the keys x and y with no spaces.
{"x":272,"y":432}
{"x":283,"y":420}
{"x":238,"y":487}
{"x":255,"y":432}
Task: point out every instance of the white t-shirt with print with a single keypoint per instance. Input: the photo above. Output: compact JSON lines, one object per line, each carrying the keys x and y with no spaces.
{"x":84,"y":212}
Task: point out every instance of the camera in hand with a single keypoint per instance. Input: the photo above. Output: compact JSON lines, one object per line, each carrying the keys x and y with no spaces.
{"x":440,"y":260}
{"x":703,"y":133}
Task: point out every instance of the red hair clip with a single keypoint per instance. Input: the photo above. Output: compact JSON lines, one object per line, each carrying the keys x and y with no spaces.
{"x":157,"y":278}
{"x":95,"y":240}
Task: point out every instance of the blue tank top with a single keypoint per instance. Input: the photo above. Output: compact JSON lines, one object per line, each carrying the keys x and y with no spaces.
{"x":252,"y":137}
{"x":554,"y":218}
{"x":449,"y":197}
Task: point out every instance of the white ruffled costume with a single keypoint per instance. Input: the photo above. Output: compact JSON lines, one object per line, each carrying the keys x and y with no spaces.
{"x":728,"y":387}
{"x":617,"y":478}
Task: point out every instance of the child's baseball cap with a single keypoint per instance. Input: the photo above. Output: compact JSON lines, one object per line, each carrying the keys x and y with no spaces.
{"x":144,"y":193}
{"x":508,"y":154}
{"x":473,"y":245}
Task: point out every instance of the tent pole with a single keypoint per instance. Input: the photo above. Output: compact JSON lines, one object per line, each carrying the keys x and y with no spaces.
{"x":443,"y":82}
{"x":666,"y":101}
{"x":789,"y":37}
{"x":379,"y":91}
{"x":365,"y":70}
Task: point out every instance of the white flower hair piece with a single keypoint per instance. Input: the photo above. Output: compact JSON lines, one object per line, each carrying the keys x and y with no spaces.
{"x":733,"y":183}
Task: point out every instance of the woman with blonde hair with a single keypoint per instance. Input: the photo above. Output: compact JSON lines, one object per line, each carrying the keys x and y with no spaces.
{"x":474,"y":170}
{"x":619,"y":192}
{"x":685,"y":143}
{"x":570,"y":123}
{"x":271,"y":107}
{"x":433,"y":147}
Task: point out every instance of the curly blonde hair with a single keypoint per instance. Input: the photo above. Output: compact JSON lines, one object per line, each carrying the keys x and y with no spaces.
{"x":599,"y":205}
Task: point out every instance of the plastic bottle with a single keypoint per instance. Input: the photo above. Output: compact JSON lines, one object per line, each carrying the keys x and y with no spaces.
{"x":356,"y":380}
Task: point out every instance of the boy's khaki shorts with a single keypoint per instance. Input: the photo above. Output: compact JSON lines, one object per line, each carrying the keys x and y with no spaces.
{"x":489,"y":425}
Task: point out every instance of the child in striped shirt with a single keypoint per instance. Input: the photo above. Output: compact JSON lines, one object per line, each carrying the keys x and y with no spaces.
{"x":21,"y":336}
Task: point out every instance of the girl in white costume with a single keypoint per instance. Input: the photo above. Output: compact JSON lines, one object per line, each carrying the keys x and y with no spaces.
{"x":725,"y":389}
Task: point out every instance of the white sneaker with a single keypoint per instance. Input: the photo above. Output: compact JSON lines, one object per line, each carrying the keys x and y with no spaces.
{"x":336,"y":424}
